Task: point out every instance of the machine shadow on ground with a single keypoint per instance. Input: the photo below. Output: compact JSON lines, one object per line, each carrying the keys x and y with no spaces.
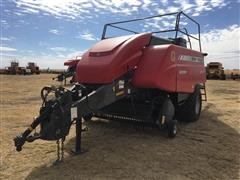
{"x":207,"y":149}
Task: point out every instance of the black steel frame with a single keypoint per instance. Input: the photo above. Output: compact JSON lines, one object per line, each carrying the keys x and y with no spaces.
{"x":176,"y":29}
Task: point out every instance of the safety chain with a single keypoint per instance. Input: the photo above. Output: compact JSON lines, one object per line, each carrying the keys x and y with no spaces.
{"x":60,"y":150}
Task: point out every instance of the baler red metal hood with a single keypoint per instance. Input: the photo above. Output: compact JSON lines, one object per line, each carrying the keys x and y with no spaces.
{"x":108,"y":45}
{"x":111,"y":58}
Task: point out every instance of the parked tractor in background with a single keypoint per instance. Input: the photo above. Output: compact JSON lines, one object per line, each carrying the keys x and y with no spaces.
{"x":142,"y":77}
{"x":14,"y":68}
{"x":215,"y":70}
{"x":235,"y":74}
{"x":33,"y":68}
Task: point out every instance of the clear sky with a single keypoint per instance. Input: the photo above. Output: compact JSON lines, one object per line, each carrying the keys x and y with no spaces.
{"x":49,"y":32}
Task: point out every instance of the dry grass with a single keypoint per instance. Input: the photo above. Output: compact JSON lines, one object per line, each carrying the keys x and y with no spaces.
{"x":234,"y":71}
{"x":207,"y":149}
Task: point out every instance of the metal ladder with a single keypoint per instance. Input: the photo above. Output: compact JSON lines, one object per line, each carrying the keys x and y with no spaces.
{"x":203,"y":92}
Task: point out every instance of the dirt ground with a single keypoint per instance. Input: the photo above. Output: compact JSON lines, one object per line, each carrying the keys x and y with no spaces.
{"x":206,"y":149}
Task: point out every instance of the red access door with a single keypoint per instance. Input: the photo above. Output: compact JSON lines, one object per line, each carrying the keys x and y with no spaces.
{"x":190,"y":71}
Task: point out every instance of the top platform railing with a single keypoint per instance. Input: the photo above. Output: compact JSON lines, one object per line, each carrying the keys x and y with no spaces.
{"x":176,"y":29}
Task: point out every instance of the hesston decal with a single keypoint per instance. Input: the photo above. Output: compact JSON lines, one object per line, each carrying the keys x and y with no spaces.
{"x":190,"y":58}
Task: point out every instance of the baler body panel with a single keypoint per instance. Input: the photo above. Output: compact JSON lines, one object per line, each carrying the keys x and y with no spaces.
{"x":108,"y":45}
{"x":171,"y":68}
{"x":72,"y":62}
{"x":111,"y":58}
{"x":190,"y":70}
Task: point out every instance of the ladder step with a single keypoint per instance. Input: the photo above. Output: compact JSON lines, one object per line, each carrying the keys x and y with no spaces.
{"x":204,"y":93}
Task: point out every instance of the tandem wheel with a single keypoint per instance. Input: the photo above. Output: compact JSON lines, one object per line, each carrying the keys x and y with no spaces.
{"x":172,"y":128}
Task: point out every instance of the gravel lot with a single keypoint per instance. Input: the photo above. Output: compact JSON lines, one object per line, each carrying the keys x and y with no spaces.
{"x":206,"y":149}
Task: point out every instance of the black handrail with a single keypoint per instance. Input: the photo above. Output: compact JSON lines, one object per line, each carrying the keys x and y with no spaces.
{"x":189,"y":40}
{"x":140,"y":19}
{"x":176,"y":29}
{"x":123,"y":29}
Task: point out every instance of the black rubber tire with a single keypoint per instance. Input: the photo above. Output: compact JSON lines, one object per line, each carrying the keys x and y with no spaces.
{"x":190,"y":110}
{"x":88,"y":117}
{"x":172,"y":128}
{"x":223,"y":77}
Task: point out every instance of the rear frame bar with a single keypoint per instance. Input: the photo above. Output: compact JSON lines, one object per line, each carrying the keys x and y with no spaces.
{"x":176,"y":29}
